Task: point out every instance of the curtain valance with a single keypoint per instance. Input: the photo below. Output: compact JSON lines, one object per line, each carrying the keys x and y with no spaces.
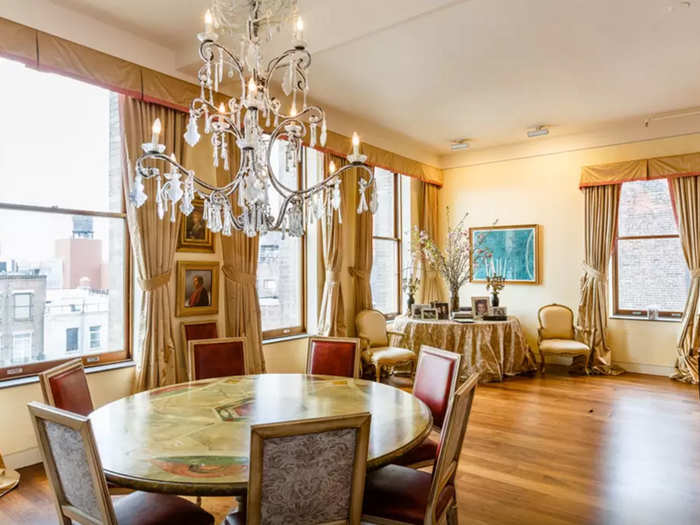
{"x":684,"y":165}
{"x":51,"y":53}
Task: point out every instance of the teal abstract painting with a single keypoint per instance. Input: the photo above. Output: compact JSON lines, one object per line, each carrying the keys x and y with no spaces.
{"x":513,"y":249}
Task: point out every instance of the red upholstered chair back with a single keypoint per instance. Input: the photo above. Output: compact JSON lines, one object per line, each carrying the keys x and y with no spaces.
{"x":435,"y":380}
{"x":333,"y":356}
{"x":199,"y":330}
{"x":65,"y":386}
{"x":208,"y":358}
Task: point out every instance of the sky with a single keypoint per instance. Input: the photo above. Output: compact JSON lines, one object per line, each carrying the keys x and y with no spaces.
{"x":54,"y":151}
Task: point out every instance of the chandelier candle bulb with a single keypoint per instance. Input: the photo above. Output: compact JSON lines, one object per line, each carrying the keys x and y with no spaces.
{"x":355,"y":144}
{"x":155,"y":137}
{"x":331,"y":168}
{"x":208,"y":22}
{"x":300,"y":29}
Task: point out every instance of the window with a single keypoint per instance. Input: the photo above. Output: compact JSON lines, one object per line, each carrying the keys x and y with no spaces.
{"x":391,"y":228}
{"x":280,"y":278}
{"x":21,"y":347}
{"x":60,"y":173}
{"x":71,"y":339}
{"x":649,"y":271}
{"x":23,"y":306}
{"x":95,"y":341}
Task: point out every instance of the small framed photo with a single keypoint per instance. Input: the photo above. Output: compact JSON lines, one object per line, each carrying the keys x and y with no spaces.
{"x":429,"y":314}
{"x":194,"y":236}
{"x":443,"y":309}
{"x":499,"y":311}
{"x":480,"y":306}
{"x":197,"y":289}
{"x":416,"y":310}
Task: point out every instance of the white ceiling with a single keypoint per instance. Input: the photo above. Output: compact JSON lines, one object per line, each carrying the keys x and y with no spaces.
{"x":435,"y":70}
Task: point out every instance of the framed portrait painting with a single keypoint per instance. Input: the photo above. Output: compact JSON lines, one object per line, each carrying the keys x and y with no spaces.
{"x":514,"y":251}
{"x":194,"y":236}
{"x":197,"y":290}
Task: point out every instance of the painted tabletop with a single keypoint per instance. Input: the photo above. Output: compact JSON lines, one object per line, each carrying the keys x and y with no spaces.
{"x":193,"y":438}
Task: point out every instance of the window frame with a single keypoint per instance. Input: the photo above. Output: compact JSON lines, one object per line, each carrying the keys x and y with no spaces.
{"x":98,"y":358}
{"x":397,"y":239}
{"x":290,"y":331}
{"x":641,"y":314}
{"x":29,"y":307}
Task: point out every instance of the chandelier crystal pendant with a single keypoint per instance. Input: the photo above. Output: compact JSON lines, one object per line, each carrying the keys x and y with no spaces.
{"x":241,"y":123}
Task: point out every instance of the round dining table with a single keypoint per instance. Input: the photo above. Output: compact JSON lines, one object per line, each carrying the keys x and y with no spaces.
{"x":194,"y":438}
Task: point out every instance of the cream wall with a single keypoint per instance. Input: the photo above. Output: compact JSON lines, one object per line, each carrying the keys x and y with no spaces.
{"x":544,"y":190}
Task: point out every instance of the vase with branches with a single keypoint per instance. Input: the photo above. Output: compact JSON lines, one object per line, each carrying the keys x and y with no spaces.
{"x":455,"y":261}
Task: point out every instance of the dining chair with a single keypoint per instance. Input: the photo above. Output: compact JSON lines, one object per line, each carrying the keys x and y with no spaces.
{"x":399,"y":494}
{"x":65,"y":386}
{"x":333,"y":356}
{"x":309,"y":471}
{"x":376,"y":350}
{"x":198,"y":330}
{"x":74,"y":471}
{"x":221,"y":357}
{"x":434,"y":384}
{"x":557,"y":335}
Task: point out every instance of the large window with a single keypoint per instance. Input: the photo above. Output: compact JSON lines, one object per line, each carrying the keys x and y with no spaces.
{"x":649,"y":271}
{"x":391,"y":239}
{"x":62,"y":222}
{"x":280,"y":278}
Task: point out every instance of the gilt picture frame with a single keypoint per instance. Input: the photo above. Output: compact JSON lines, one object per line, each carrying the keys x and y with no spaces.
{"x":194,"y":236}
{"x":197,"y":288}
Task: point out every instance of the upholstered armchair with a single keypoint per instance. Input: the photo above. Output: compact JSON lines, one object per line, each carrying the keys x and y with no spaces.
{"x":377,"y":350}
{"x":557,"y":334}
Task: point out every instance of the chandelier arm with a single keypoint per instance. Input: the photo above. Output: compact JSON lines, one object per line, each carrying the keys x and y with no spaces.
{"x":210,"y":58}
{"x":276,"y":63}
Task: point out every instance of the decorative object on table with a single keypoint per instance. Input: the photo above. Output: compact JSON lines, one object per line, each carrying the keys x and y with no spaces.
{"x":495,"y":283}
{"x":462,"y":315}
{"x":557,"y":335}
{"x":194,"y":236}
{"x":514,"y":252}
{"x":416,"y":310}
{"x":9,"y":479}
{"x":197,"y":290}
{"x":480,"y":306}
{"x":498,"y":311}
{"x":258,"y":119}
{"x":410,"y":286}
{"x":429,"y":314}
{"x":443,"y":309}
{"x":453,"y":262}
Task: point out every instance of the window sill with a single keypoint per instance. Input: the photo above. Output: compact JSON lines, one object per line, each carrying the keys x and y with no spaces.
{"x":285,"y":338}
{"x":9,"y":383}
{"x":635,"y":318}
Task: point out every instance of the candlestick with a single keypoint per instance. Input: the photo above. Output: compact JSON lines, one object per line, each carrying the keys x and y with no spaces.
{"x":156,"y":132}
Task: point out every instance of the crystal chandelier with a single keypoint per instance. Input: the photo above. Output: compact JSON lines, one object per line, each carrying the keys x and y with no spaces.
{"x":244,"y":203}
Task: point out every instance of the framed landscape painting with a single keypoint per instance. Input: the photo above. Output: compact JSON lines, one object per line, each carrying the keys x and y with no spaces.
{"x":514,"y":250}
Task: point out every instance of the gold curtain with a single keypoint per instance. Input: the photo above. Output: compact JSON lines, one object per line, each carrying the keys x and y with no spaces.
{"x":240,"y":258}
{"x":362,"y":270}
{"x":153,"y":242}
{"x":686,"y":199}
{"x":601,"y":207}
{"x":429,"y":289}
{"x":331,"y":316}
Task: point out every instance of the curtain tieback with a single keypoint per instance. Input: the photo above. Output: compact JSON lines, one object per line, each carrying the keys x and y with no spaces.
{"x":240,"y":277}
{"x":359,"y":274}
{"x":695,"y":274}
{"x":332,"y":276}
{"x":593,"y":272}
{"x":148,"y":285}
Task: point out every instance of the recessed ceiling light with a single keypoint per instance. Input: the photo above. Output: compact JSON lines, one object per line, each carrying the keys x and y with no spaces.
{"x":537,"y":131}
{"x":459,"y":144}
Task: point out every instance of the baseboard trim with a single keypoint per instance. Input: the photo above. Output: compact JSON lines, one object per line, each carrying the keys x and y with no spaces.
{"x":643,"y":368}
{"x":23,"y":458}
{"x":637,"y":368}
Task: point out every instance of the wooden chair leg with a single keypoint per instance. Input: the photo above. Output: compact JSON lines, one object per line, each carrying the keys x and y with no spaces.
{"x":541,"y":363}
{"x":378,"y":370}
{"x":451,"y":515}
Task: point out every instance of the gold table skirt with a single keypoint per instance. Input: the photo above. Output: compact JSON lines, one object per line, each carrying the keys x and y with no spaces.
{"x":495,"y":349}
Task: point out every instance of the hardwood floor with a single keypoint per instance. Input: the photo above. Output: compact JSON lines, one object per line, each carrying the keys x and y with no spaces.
{"x":545,"y":450}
